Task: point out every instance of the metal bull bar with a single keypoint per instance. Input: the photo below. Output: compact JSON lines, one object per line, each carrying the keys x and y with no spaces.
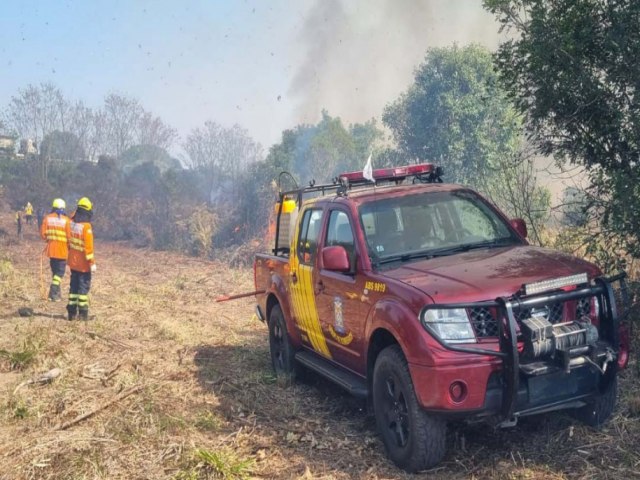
{"x":609,"y":324}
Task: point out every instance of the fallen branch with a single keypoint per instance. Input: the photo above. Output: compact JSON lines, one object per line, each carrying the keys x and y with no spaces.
{"x":42,"y":379}
{"x":94,"y":335}
{"x":112,"y":372}
{"x":93,"y":372}
{"x":84,"y":416}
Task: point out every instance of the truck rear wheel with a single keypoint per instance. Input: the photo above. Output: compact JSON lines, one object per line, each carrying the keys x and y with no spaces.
{"x":282,"y":352}
{"x":413,"y":439}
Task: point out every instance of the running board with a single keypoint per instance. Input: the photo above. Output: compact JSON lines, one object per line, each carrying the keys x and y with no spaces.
{"x":352,"y":383}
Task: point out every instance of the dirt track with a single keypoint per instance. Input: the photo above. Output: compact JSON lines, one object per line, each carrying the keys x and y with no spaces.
{"x":204,"y":400}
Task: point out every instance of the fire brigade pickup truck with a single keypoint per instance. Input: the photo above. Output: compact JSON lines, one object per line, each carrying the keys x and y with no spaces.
{"x":425,"y":299}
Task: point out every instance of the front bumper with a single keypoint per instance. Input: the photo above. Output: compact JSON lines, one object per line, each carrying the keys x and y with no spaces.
{"x":485,"y":390}
{"x":500,"y":383}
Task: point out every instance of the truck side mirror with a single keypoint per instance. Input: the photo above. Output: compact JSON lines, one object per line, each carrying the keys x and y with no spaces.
{"x":520,"y":226}
{"x":335,"y":258}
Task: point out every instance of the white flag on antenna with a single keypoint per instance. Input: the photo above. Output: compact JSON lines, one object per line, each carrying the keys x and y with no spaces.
{"x":367,"y":172}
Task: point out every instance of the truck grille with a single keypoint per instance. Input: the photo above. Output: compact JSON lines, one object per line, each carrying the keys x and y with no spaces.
{"x":483,"y":319}
{"x":552,"y":312}
{"x":583,"y":308}
{"x":483,"y":322}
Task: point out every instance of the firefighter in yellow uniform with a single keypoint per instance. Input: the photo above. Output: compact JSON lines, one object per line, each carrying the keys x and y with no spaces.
{"x":55,"y":230}
{"x":28,"y":212}
{"x":82,"y":262}
{"x":19,"y":223}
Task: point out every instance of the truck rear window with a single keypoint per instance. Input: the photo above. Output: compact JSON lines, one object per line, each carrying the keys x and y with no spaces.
{"x":308,"y":236}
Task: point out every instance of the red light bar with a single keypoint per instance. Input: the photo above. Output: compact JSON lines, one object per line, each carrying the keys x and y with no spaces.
{"x":395,"y":173}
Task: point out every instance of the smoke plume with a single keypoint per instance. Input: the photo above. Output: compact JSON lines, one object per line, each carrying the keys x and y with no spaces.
{"x":357,"y":56}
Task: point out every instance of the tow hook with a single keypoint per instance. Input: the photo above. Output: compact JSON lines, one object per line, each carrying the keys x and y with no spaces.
{"x":512,"y":422}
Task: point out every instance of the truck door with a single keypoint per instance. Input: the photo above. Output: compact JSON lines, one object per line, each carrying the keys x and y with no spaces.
{"x":338,"y":297}
{"x":302,"y":259}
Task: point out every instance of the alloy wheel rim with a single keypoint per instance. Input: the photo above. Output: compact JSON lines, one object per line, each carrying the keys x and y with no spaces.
{"x":278,"y":346}
{"x":396,"y":412}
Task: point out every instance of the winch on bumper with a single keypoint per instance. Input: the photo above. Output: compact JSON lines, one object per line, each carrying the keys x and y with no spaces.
{"x":549,"y":359}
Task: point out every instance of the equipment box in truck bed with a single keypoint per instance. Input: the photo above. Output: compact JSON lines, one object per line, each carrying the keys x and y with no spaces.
{"x":425,"y":299}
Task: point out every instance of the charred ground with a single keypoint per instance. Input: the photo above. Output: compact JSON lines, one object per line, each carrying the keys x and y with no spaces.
{"x":197,"y":397}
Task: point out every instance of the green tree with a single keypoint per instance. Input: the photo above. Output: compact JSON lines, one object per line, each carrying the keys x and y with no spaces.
{"x":324,"y":150}
{"x":574,"y":207}
{"x":309,"y":152}
{"x":62,"y":146}
{"x":456,"y":115}
{"x":390,"y":157}
{"x":140,"y":154}
{"x":515,"y":189}
{"x":572,"y":69}
{"x":330,"y":149}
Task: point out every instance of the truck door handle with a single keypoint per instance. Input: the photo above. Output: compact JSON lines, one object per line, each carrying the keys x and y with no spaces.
{"x":319,"y":287}
{"x":294,"y":277}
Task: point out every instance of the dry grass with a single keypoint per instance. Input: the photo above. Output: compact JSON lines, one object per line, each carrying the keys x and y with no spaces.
{"x":205,"y":403}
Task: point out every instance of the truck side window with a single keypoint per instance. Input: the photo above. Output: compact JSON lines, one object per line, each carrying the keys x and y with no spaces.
{"x":308,"y":236}
{"x":339,"y":232}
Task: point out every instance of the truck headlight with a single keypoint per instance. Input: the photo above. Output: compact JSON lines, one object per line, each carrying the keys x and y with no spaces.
{"x":450,"y":325}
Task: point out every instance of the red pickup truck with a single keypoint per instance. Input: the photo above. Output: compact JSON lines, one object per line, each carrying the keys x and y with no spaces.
{"x":425,"y":299}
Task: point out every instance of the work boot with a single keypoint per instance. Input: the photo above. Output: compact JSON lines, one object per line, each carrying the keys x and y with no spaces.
{"x":72,"y":312}
{"x":54,"y":293}
{"x":83,"y":314}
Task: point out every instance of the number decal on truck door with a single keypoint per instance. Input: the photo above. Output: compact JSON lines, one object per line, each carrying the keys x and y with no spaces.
{"x":302,"y":258}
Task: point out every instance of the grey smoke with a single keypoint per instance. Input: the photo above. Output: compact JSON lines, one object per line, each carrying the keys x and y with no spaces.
{"x":359,"y":55}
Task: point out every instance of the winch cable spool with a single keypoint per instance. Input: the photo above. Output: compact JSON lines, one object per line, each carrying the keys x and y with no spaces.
{"x":563,"y":336}
{"x":575,"y":334}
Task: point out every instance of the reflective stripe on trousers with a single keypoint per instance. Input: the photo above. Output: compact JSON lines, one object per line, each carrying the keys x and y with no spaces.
{"x":79,"y":289}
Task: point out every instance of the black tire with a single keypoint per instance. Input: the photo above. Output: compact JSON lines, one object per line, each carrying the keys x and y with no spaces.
{"x":282,"y":352}
{"x":413,"y":439}
{"x":598,"y":411}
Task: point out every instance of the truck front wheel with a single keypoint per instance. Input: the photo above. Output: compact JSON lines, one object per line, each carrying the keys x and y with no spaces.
{"x":598,"y":411}
{"x":413,"y":439}
{"x":282,"y":352}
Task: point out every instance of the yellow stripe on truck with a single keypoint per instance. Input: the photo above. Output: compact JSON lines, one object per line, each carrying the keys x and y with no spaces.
{"x":297,"y":294}
{"x":315,"y":334}
{"x":304,"y":301}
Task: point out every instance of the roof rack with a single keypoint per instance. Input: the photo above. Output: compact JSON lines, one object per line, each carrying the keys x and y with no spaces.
{"x":421,"y":173}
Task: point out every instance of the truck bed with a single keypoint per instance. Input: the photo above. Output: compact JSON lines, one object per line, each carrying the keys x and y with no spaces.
{"x":270,"y":275}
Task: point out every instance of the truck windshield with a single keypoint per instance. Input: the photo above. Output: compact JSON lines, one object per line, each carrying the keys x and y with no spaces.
{"x":431,"y":224}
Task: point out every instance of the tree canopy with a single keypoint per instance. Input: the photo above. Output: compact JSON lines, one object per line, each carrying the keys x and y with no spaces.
{"x":62,"y":146}
{"x":319,"y":152}
{"x":571,"y":69}
{"x":140,"y":154}
{"x":455,"y":114}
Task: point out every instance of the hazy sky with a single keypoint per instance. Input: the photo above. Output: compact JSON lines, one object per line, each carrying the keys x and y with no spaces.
{"x":266,"y":65}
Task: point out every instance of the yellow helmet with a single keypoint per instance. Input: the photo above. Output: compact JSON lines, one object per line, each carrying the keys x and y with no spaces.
{"x":85,"y":204}
{"x":59,"y":204}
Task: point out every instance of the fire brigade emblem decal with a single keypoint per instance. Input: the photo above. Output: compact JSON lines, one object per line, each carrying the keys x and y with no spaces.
{"x":337,"y":330}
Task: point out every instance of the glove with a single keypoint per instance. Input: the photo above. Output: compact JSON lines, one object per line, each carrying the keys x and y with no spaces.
{"x":93,"y":268}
